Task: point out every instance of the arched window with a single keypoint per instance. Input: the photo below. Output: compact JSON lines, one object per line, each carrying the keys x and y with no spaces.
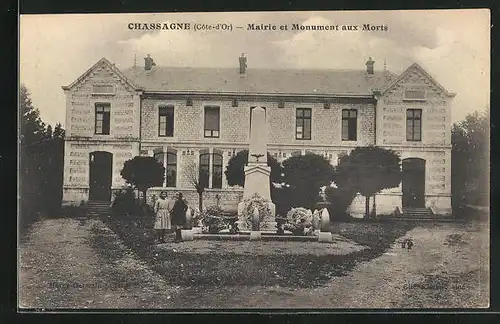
{"x":204,"y":169}
{"x":169,"y":161}
{"x":217,"y":170}
{"x":171,"y":169}
{"x":210,"y":169}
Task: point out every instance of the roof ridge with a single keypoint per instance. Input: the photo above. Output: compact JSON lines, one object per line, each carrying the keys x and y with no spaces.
{"x":255,"y":69}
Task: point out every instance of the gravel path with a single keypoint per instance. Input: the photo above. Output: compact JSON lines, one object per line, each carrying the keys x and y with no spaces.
{"x":65,"y":263}
{"x":59,"y":268}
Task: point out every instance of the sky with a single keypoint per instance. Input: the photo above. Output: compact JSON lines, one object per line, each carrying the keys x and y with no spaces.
{"x":452,"y":45}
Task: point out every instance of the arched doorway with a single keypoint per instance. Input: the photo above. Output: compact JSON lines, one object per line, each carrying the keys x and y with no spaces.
{"x":101,"y":169}
{"x":413,"y":183}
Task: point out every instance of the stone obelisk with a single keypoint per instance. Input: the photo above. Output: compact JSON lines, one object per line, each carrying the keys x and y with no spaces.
{"x":257,"y":172}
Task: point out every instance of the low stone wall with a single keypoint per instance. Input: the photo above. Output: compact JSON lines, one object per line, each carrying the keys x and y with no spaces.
{"x":440,"y":205}
{"x":229,"y":198}
{"x":73,"y":196}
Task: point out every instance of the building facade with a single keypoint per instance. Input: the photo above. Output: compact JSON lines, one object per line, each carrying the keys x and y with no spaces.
{"x":196,"y":119}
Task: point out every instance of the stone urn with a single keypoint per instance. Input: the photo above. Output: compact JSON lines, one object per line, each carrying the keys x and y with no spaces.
{"x":189,"y":218}
{"x":255,"y":220}
{"x":325,"y":220}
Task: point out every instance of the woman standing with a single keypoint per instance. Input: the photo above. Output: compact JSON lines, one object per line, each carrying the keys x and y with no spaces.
{"x":162,"y":222}
{"x":178,"y":213}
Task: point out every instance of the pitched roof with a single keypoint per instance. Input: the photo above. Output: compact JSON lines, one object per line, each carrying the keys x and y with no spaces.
{"x":103,"y":61}
{"x":424,"y":72}
{"x":259,"y":81}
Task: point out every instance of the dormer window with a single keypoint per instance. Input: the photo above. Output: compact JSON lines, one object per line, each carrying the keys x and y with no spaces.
{"x":103,"y":89}
{"x":418,"y":95}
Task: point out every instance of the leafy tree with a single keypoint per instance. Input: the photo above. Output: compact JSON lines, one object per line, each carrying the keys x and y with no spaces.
{"x":32,"y":126}
{"x":235,"y":170}
{"x":59,"y":131}
{"x":32,"y":132}
{"x":303,"y":176}
{"x":368,"y":170}
{"x":470,"y":159}
{"x":143,"y":172}
{"x":193,"y":177}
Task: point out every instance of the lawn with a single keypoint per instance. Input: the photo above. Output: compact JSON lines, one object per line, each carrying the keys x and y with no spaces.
{"x":289,"y":264}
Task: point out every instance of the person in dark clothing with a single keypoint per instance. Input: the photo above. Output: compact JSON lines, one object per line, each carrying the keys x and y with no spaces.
{"x":178,"y":213}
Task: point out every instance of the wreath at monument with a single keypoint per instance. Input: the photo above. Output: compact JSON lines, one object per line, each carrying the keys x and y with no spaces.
{"x":262,"y":206}
{"x":299,"y":221}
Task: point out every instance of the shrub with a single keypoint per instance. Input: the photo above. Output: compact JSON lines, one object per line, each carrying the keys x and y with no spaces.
{"x":340,"y":200}
{"x":211,"y":219}
{"x":124,"y":203}
{"x":299,"y":221}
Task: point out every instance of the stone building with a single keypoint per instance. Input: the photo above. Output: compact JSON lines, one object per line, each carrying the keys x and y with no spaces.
{"x":193,"y":119}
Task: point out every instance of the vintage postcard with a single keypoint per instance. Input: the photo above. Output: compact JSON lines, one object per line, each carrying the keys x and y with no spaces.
{"x":242,"y":160}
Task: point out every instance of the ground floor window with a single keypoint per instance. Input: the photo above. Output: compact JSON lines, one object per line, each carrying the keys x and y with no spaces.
{"x":169,"y":161}
{"x":210,"y":169}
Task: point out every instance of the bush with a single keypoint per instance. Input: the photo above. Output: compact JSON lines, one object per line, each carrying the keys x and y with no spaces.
{"x":125,"y":203}
{"x":211,"y":219}
{"x":299,"y":221}
{"x":340,"y":200}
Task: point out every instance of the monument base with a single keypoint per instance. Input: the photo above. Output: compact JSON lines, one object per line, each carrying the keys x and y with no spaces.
{"x":268,"y":224}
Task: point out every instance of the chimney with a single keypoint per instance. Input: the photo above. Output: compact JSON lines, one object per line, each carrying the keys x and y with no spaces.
{"x":369,"y":66}
{"x":243,"y":63}
{"x":148,"y":63}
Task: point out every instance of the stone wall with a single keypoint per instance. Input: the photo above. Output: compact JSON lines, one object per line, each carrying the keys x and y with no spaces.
{"x":76,"y":164}
{"x":436,"y":113}
{"x":229,"y":198}
{"x":80,"y":106}
{"x":235,"y":122}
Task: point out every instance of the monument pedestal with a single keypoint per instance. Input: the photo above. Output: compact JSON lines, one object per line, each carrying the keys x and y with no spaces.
{"x":257,"y":175}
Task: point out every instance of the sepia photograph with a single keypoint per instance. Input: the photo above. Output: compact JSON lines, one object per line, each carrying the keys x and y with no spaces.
{"x":254,"y":160}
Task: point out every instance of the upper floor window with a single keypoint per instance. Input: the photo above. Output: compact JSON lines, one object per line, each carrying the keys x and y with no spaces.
{"x":414,"y":125}
{"x":166,"y":121}
{"x":349,"y":124}
{"x":102,"y":112}
{"x":212,"y":121}
{"x":415,"y":95}
{"x":303,"y":124}
{"x":103,"y":89}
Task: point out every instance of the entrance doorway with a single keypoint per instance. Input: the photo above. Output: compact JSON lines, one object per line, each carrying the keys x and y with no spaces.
{"x":101,"y":168}
{"x":413,"y":183}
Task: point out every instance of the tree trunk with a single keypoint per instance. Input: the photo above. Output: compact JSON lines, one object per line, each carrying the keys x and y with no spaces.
{"x":144,"y":196}
{"x":367,"y":206}
{"x":200,"y":201}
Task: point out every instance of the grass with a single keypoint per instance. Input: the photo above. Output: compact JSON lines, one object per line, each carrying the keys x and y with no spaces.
{"x":226,"y":264}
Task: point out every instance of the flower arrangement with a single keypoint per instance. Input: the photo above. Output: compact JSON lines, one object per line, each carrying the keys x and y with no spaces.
{"x":262,"y":206}
{"x":211,"y":220}
{"x":299,"y":221}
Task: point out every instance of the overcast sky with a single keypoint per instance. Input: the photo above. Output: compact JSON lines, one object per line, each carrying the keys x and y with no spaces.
{"x":452,"y":45}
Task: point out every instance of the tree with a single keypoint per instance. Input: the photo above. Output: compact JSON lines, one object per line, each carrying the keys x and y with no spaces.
{"x":470,"y":159}
{"x":303,"y":176}
{"x":235,"y":170}
{"x":143,"y":172}
{"x":193,"y":177}
{"x":32,"y":126}
{"x":32,"y":133}
{"x":368,"y":170}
